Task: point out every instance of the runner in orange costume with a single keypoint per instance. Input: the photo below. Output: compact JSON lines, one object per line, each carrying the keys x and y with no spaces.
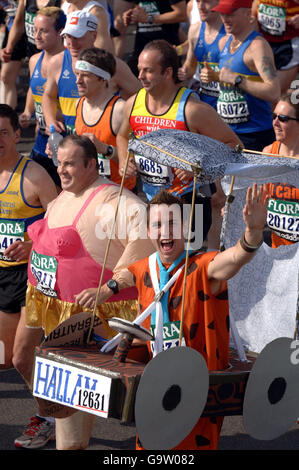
{"x":99,"y":112}
{"x":286,"y":127}
{"x":205,"y":327}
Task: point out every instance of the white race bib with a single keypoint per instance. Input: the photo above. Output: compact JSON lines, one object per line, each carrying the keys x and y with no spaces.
{"x":152,"y":172}
{"x":283,"y":218}
{"x":29,"y":26}
{"x":104,"y":167}
{"x":39,"y":116}
{"x":171,"y":334}
{"x":44,"y":270}
{"x":232,"y":106}
{"x":272,"y":19}
{"x":210,"y":88}
{"x":10,"y":232}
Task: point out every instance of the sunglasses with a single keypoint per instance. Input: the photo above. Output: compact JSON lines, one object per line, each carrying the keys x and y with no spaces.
{"x":283,"y":118}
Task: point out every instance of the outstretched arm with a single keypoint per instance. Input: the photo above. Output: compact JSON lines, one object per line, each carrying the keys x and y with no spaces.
{"x":226,"y":264}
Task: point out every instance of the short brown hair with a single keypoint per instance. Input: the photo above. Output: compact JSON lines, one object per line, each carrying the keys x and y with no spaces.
{"x":169,"y":57}
{"x":56,"y":13}
{"x":87,"y":146}
{"x":288,"y":98}
{"x":165,"y":197}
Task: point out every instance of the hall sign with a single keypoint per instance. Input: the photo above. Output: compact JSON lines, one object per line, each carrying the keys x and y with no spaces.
{"x":73,"y":387}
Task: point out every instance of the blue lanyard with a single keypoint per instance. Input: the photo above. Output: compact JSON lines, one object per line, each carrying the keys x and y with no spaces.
{"x":163,"y":279}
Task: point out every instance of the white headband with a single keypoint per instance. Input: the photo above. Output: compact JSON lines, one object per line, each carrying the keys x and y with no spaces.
{"x":87,"y":67}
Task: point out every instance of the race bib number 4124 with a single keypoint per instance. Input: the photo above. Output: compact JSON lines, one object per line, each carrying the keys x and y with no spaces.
{"x":10,"y":232}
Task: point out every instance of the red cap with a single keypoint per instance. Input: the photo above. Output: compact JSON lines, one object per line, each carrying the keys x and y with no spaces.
{"x":228,"y":6}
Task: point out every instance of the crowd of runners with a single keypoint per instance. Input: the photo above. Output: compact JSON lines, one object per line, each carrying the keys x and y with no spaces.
{"x":224,"y":69}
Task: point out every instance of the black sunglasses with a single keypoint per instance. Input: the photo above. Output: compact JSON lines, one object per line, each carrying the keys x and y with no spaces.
{"x":283,"y":118}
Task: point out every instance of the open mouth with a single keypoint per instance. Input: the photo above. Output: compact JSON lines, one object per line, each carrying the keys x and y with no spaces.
{"x":167,"y":245}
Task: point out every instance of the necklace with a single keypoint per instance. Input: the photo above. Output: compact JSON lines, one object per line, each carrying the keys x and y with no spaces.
{"x":234,"y":47}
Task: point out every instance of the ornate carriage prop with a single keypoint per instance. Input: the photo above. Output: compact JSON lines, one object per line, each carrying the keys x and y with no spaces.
{"x":76,"y":369}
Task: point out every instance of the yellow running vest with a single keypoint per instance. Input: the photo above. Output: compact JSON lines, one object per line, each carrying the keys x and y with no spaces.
{"x":15,"y":213}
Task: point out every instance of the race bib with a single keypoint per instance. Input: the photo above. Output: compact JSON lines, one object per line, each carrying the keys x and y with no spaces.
{"x":44,"y":270}
{"x":10,"y":232}
{"x":104,"y":166}
{"x":29,"y":26}
{"x":283,"y":218}
{"x":210,"y":88}
{"x":232,"y":106}
{"x":39,"y":117}
{"x":151,"y":8}
{"x":171,"y":334}
{"x":272,"y":19}
{"x":70,"y":129}
{"x":152,"y":172}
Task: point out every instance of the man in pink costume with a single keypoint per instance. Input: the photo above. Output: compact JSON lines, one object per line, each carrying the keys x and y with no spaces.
{"x":68,"y":253}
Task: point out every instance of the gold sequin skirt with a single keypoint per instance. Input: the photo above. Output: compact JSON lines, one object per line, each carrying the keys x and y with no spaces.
{"x":47,"y":312}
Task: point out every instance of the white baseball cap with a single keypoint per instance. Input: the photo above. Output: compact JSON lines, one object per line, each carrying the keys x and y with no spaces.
{"x":79,"y":22}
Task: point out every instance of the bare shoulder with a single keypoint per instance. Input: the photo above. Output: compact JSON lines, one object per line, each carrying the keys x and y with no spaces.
{"x":194,"y":31}
{"x":119,"y":105}
{"x":36,"y":174}
{"x":198,"y":113}
{"x":121,"y":65}
{"x":33,"y":61}
{"x":38,"y":186}
{"x":129,"y":103}
{"x":118,"y":114}
{"x":196,"y":104}
{"x":98,"y":11}
{"x":267,"y":149}
{"x":259,"y":43}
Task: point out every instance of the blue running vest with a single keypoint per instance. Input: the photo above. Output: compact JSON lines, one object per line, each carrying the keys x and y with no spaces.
{"x":37,"y":85}
{"x":244,"y":113}
{"x":209,"y":53}
{"x":68,"y":93}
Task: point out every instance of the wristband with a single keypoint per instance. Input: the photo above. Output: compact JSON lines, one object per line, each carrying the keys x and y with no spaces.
{"x":247,"y":247}
{"x":179,"y":50}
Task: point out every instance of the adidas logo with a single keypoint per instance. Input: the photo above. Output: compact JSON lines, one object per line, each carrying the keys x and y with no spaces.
{"x":36,"y":74}
{"x":66,"y":73}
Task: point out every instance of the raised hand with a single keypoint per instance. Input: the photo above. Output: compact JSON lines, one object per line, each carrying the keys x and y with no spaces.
{"x":207,"y":74}
{"x":255,"y":209}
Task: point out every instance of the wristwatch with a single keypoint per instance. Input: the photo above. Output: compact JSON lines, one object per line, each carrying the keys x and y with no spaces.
{"x":238,"y":80}
{"x":109,"y":151}
{"x":112,"y":284}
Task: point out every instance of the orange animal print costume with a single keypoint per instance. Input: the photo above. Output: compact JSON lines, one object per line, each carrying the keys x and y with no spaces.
{"x":206,"y":328}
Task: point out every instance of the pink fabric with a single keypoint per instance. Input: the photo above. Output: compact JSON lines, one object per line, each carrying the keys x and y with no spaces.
{"x":76,"y":269}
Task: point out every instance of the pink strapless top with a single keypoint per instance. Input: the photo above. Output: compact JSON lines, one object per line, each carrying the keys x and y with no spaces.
{"x":76,"y":269}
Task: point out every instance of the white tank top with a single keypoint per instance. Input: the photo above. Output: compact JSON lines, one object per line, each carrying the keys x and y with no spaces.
{"x":194,"y":13}
{"x":89,"y":6}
